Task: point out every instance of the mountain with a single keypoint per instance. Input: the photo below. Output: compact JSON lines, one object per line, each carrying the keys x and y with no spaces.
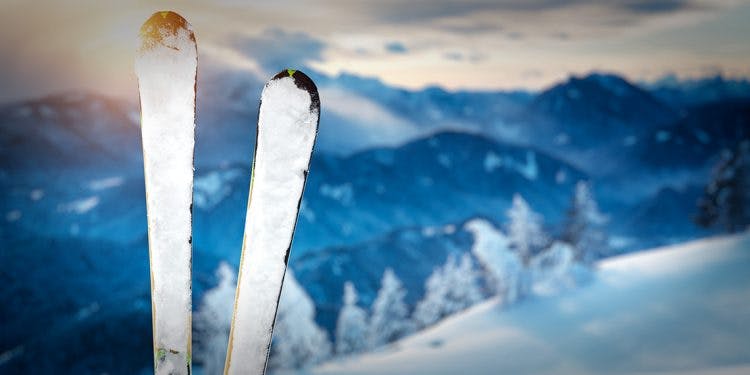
{"x":697,"y":139}
{"x":72,"y":131}
{"x":664,"y":218}
{"x":348,"y":198}
{"x":685,"y":93}
{"x":599,"y":107}
{"x":585,"y":119}
{"x":412,"y":253}
{"x":396,"y":173}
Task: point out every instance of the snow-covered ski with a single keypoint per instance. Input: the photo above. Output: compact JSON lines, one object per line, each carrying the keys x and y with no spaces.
{"x":287,"y":128}
{"x":166,"y":66}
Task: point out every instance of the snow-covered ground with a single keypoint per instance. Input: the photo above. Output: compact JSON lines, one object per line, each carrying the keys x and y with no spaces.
{"x":683,"y":309}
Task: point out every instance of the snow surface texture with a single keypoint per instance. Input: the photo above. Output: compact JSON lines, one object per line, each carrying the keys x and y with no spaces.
{"x":682,"y":309}
{"x":166,"y":68}
{"x":287,"y":127}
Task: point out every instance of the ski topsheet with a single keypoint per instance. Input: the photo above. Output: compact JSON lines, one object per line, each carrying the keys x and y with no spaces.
{"x":166,"y":65}
{"x":287,"y":128}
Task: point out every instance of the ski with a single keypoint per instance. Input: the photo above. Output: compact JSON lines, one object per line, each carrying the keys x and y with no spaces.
{"x":287,"y":128}
{"x":166,"y":64}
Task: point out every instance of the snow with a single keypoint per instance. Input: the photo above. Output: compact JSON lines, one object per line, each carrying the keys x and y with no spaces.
{"x":444,"y":160}
{"x":351,"y":325}
{"x":682,"y":309}
{"x":80,"y":206}
{"x":528,"y":168}
{"x":561,"y":176}
{"x":13,"y":215}
{"x":287,"y":127}
{"x":342,"y":193}
{"x":373,"y":122}
{"x":562,"y":139}
{"x":492,"y":162}
{"x":298,"y":341}
{"x":166,"y":65}
{"x":106,"y":183}
{"x":629,"y":141}
{"x":503,"y":268}
{"x":211,"y":188}
{"x":36,"y":194}
{"x":389,"y":319}
{"x":86,"y":311}
{"x":8,"y":355}
{"x":702,"y":136}
{"x":663,"y":136}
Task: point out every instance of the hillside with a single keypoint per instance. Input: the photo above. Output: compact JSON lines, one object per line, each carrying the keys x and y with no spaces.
{"x":682,"y":309}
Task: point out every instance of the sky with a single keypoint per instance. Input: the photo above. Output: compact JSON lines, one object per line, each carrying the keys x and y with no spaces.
{"x":52,"y":46}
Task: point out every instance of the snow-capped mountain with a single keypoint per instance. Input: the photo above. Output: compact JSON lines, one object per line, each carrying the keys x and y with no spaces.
{"x":396,"y":173}
{"x":73,"y":131}
{"x":687,"y":93}
{"x":697,"y":139}
{"x":585,"y":119}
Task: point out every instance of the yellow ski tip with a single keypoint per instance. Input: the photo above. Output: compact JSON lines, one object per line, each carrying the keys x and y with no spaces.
{"x":162,"y":25}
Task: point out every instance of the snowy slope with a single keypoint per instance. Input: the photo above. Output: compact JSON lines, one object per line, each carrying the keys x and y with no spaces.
{"x":680,"y":309}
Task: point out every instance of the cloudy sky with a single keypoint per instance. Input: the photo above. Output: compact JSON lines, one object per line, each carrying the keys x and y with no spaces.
{"x":47,"y":47}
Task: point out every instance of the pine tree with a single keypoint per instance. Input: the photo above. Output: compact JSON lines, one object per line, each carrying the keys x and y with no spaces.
{"x":463,"y":284}
{"x":432,"y":307}
{"x":449,"y":289}
{"x":389,"y":318}
{"x":524,"y":229}
{"x":213,"y":320}
{"x":351,"y":327}
{"x":726,"y":200}
{"x":583,"y":226}
{"x":297,"y":341}
{"x":554,"y":269}
{"x":503,"y":270}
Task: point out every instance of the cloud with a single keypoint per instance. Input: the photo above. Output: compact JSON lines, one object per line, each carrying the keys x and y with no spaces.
{"x":421,"y":10}
{"x":395,"y":47}
{"x":473,"y":57}
{"x":276,"y":49}
{"x":454,"y":56}
{"x":658,"y":6}
{"x":92,"y":46}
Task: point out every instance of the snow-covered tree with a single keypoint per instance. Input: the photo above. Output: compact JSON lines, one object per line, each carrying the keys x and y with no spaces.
{"x":553,"y":269}
{"x":504,"y":272}
{"x":213,"y":321}
{"x":432,"y":306}
{"x":525,"y":232}
{"x":584,"y":226}
{"x":463,"y":280}
{"x":351,"y":327}
{"x":389,"y":318}
{"x":449,"y":289}
{"x":297,"y":341}
{"x":726,"y":200}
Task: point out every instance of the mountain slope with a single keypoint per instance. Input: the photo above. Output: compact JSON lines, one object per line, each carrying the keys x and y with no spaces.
{"x":674,"y":310}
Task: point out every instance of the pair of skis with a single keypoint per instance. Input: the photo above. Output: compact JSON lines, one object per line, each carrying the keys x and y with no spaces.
{"x":166,"y":66}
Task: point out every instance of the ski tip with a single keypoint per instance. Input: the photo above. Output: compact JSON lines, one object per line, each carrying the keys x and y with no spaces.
{"x":162,"y":28}
{"x":302,"y":81}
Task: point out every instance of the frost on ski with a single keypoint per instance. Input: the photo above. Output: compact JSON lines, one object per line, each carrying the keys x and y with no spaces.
{"x":166,"y":68}
{"x":287,"y":127}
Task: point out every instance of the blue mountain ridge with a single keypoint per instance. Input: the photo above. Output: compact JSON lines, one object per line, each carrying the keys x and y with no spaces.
{"x":74,"y":214}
